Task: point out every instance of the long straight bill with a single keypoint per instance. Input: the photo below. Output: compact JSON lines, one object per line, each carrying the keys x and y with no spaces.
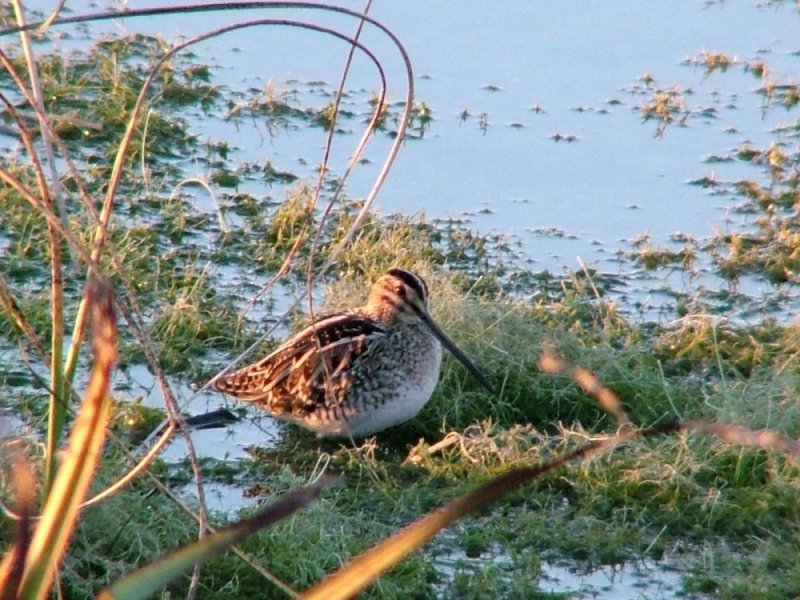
{"x":456,"y":351}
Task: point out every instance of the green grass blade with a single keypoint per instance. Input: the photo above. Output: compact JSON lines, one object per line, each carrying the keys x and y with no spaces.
{"x":59,"y":396}
{"x":148,"y":580}
{"x":83,"y":451}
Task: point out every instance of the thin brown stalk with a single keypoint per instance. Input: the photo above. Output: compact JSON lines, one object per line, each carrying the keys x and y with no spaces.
{"x":12,"y":309}
{"x":549,"y":362}
{"x":765,"y":439}
{"x":52,"y":18}
{"x":326,"y":154}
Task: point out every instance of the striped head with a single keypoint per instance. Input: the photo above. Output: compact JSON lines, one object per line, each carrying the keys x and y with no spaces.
{"x":400,"y":295}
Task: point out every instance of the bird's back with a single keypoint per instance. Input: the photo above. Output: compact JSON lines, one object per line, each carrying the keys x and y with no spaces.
{"x":309,"y":372}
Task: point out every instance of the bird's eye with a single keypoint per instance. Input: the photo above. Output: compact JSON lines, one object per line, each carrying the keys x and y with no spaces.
{"x":400,"y":290}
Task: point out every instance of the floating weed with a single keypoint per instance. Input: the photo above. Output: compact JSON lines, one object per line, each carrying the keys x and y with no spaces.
{"x":273,"y":175}
{"x":421,"y":119}
{"x":483,"y":122}
{"x":96,"y":84}
{"x":270,"y":230}
{"x":786,"y":95}
{"x":326,"y":116}
{"x":225,"y":179}
{"x":179,"y":221}
{"x":776,"y":159}
{"x":272,"y":102}
{"x":564,"y":137}
{"x":771,"y":252}
{"x":757,"y":67}
{"x":702,"y":343}
{"x":716,"y":61}
{"x":666,"y":107}
{"x":753,"y":190}
{"x":653,"y":258}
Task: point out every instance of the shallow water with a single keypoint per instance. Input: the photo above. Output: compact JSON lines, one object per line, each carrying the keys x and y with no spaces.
{"x":583,"y":67}
{"x":644,"y":580}
{"x":641,"y":580}
{"x":502,"y":169}
{"x":573,"y":64}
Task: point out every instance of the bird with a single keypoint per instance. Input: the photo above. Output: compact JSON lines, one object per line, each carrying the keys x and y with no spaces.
{"x":358,"y":372}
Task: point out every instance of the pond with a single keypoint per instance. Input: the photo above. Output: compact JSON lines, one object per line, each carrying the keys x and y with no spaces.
{"x":537,"y":128}
{"x":538,"y":131}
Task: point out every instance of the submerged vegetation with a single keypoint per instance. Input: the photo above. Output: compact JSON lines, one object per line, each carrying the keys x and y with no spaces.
{"x":187,"y":270}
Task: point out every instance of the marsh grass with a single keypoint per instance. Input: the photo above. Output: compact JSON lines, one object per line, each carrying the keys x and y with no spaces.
{"x":726,"y":513}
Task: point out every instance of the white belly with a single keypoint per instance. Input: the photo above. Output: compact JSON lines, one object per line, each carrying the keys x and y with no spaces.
{"x":408,"y":391}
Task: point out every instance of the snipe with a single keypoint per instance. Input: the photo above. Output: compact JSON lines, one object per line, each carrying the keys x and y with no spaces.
{"x":358,"y":372}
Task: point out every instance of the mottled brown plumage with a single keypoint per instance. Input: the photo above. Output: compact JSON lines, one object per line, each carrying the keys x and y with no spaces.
{"x":358,"y":372}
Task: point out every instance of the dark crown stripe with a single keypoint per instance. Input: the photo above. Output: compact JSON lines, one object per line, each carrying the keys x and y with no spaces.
{"x":413,"y":281}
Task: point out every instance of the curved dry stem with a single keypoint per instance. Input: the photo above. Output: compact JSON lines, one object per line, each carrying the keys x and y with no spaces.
{"x":223,"y":226}
{"x":328,"y":146}
{"x":52,"y":18}
{"x":139,"y":466}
